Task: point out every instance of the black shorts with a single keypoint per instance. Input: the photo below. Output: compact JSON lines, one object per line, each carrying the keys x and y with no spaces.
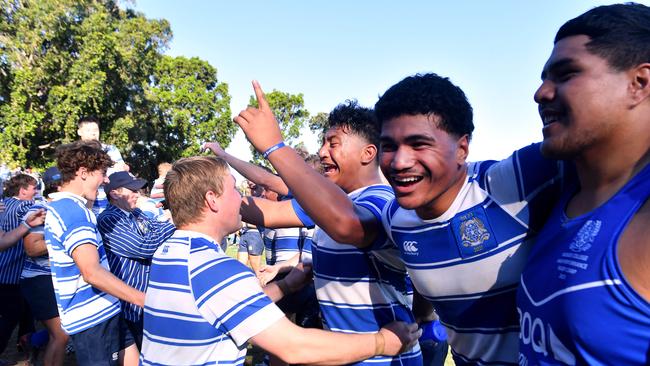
{"x":101,"y":344}
{"x":39,"y":293}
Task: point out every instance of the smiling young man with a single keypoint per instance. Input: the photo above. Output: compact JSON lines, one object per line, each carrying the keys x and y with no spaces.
{"x":359,"y":289}
{"x":202,"y":306}
{"x":463,"y":230}
{"x":591,"y":306}
{"x":86,"y":291}
{"x":131,"y":239}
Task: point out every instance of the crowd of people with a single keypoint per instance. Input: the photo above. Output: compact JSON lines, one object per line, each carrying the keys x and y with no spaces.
{"x":387,"y":233}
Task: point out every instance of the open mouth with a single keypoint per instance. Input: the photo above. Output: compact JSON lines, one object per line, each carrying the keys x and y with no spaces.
{"x":406,"y":181}
{"x":328,"y":168}
{"x":550,"y":117}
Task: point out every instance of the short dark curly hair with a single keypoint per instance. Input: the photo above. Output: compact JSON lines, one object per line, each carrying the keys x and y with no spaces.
{"x":87,"y":154}
{"x":13,"y":185}
{"x":355,"y":118}
{"x":619,"y":33}
{"x":428,"y":94}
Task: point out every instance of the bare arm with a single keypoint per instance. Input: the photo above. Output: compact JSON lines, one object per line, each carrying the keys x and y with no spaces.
{"x":87,"y":259}
{"x":634,"y":252}
{"x":250,"y":171}
{"x":267,"y":273}
{"x":325,"y":202}
{"x":297,"y":345}
{"x":296,"y":279}
{"x":34,"y":245}
{"x":267,"y":213}
{"x":10,"y":238}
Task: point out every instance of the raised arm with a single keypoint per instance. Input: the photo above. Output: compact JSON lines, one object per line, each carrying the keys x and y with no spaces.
{"x":10,"y":238}
{"x":267,"y":213}
{"x":325,"y":203}
{"x":250,"y":171}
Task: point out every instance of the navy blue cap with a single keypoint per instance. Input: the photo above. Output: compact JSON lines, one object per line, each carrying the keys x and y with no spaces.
{"x":51,"y":175}
{"x":124,"y":179}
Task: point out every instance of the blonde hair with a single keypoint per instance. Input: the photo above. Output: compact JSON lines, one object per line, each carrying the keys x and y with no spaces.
{"x":187,"y":183}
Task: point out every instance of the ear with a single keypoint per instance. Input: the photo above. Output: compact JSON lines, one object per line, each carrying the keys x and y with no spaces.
{"x":640,"y":86}
{"x":79,"y":132}
{"x":82,"y":172}
{"x":462,"y":149}
{"x":368,"y":154}
{"x":212,"y":201}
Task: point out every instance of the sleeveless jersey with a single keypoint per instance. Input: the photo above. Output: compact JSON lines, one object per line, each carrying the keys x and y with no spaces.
{"x":574,"y":302}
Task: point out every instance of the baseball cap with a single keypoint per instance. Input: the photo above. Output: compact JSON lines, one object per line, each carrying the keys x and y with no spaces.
{"x":51,"y":175}
{"x":124,"y":179}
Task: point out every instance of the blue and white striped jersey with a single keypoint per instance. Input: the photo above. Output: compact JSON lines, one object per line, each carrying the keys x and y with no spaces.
{"x":130,"y":240}
{"x":68,"y":225}
{"x":467,"y":262}
{"x":201,"y":306}
{"x":361,"y":290}
{"x":37,"y":266}
{"x":575,"y":304}
{"x":12,"y":259}
{"x":281,"y":244}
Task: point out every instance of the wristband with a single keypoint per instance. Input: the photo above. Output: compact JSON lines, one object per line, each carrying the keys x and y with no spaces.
{"x":379,"y":343}
{"x":273,"y":148}
{"x":283,"y":287}
{"x":26,"y":225}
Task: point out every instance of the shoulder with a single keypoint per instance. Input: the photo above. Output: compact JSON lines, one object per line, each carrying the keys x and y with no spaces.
{"x":634,"y":253}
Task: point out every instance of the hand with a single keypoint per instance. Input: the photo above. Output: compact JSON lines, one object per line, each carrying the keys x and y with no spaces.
{"x":215,"y":148}
{"x":266,"y":274}
{"x":299,"y":276}
{"x":259,"y":124}
{"x":139,"y":300}
{"x":36,"y":219}
{"x":399,"y":337}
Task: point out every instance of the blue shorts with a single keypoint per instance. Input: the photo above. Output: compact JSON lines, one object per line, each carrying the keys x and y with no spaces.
{"x":101,"y":344}
{"x":39,"y":293}
{"x":251,"y":242}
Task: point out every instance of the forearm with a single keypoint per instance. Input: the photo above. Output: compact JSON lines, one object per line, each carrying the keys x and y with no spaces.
{"x":35,"y":247}
{"x":330,"y":208}
{"x":256,"y":174}
{"x":270,"y":214}
{"x":10,"y":238}
{"x":104,"y":280}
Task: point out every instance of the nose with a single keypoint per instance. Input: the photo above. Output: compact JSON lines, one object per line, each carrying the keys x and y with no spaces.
{"x":402,"y":159}
{"x":322,"y":152}
{"x":106,"y":180}
{"x":545,"y":93}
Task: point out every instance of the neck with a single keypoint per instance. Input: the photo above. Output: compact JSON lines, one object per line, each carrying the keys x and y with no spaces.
{"x":73,"y":186}
{"x":367,"y":176}
{"x":440,"y":204}
{"x":205,"y":227}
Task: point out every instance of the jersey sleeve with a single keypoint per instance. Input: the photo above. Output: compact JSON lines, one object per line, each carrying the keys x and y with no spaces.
{"x":228,"y":295}
{"x":302,"y":215}
{"x":374,"y":199}
{"x":78,"y":230}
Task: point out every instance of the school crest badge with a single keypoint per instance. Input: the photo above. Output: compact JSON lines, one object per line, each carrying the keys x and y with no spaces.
{"x":473,"y":232}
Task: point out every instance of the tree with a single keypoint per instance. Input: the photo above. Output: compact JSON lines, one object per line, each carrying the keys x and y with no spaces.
{"x":291,"y":114}
{"x":64,"y":59}
{"x":317,"y":123}
{"x":188,"y":107}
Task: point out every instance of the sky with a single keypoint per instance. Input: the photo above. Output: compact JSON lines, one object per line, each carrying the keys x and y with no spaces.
{"x":336,"y":50}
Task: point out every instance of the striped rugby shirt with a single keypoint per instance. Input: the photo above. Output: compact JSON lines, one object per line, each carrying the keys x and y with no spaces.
{"x":12,"y":259}
{"x":467,"y":262}
{"x":130,"y":240}
{"x":201,"y":305}
{"x":69,"y":224}
{"x":361,"y":290}
{"x":281,"y":244}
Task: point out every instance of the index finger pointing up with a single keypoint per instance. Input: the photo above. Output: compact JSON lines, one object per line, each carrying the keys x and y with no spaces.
{"x":259,"y":94}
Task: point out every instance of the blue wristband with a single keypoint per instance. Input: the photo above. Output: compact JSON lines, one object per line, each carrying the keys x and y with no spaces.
{"x":273,"y":148}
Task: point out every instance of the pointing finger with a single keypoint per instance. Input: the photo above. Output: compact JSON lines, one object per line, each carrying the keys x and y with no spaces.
{"x":261,"y":99}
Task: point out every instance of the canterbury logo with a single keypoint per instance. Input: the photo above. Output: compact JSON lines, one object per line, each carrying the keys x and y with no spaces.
{"x":410,"y":247}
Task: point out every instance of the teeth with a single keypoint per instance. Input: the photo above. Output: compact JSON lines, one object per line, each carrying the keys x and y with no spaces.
{"x":407,"y":180}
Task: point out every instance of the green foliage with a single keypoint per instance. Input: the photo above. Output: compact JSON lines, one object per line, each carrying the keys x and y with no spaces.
{"x":317,"y":124}
{"x":289,"y":110}
{"x":64,"y":59}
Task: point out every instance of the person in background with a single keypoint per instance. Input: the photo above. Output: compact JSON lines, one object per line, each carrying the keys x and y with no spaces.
{"x":88,"y":130}
{"x":20,"y":190}
{"x":131,"y":239}
{"x":36,"y":277}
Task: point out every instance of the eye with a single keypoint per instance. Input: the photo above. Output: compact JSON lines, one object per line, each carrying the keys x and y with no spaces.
{"x":387,"y":147}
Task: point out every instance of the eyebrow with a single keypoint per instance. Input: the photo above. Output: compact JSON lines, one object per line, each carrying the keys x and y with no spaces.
{"x":556,"y":65}
{"x":410,"y":138}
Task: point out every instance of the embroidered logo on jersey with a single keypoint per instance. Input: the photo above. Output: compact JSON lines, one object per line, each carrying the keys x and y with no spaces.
{"x":472,"y":232}
{"x":165,"y":249}
{"x":586,"y":235}
{"x":410,"y":247}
